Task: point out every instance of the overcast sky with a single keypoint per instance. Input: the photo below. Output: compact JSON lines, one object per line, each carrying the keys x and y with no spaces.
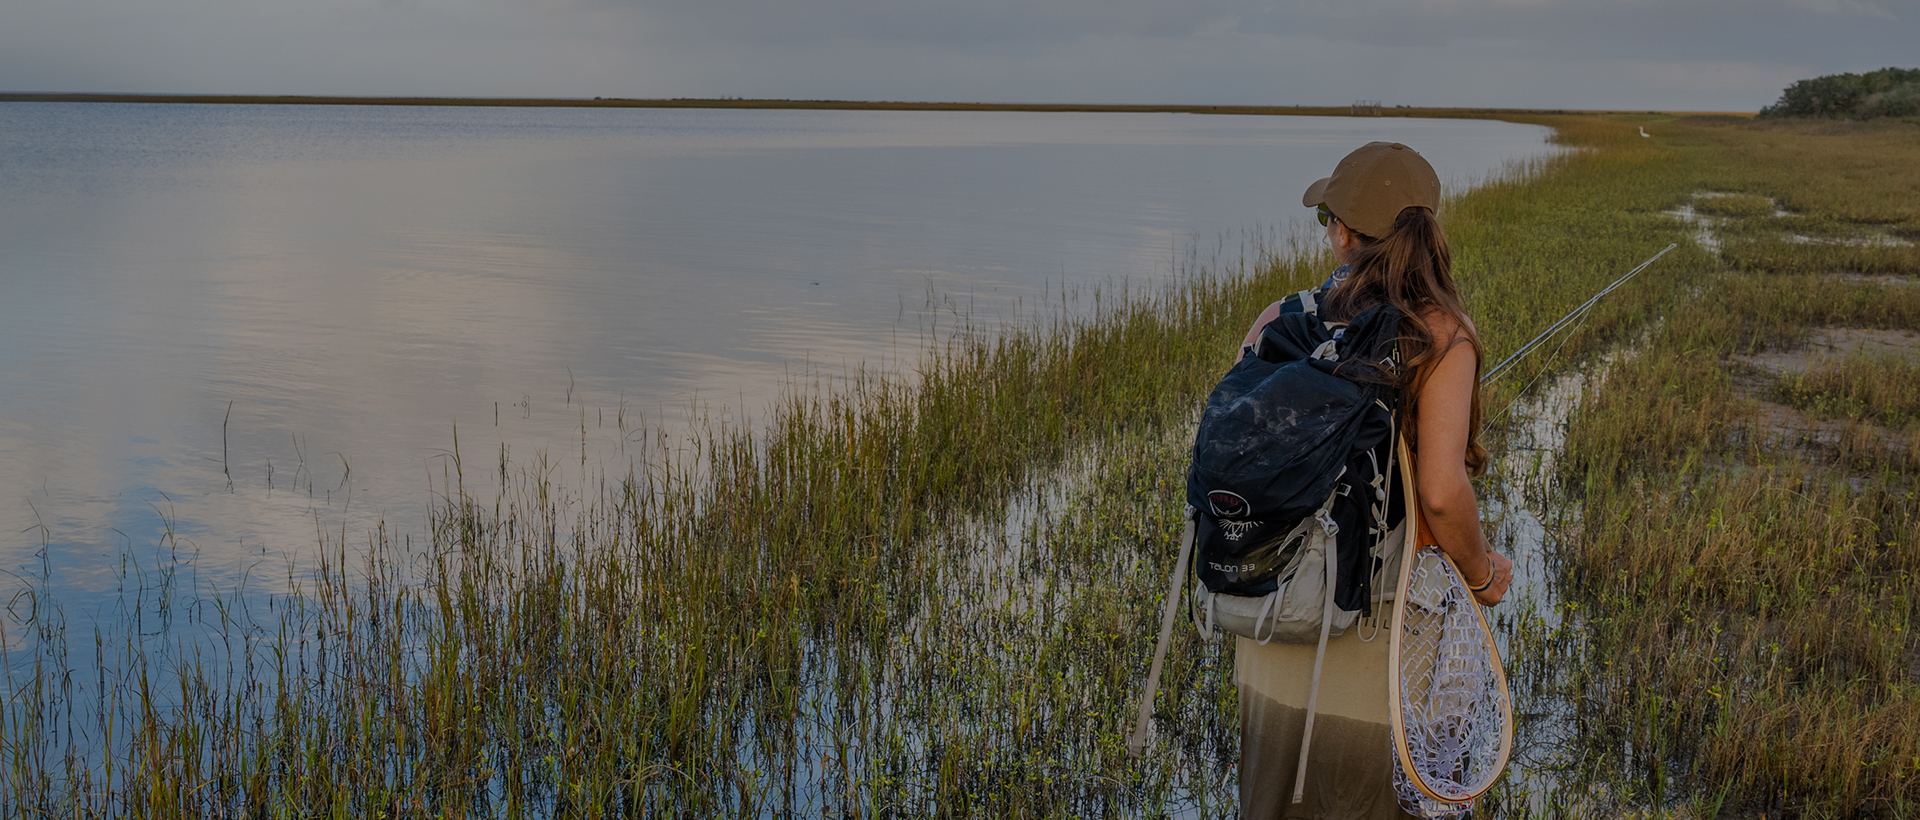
{"x":1619,"y":54}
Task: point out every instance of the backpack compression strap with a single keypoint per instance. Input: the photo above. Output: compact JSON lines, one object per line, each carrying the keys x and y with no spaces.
{"x":1320,"y":654}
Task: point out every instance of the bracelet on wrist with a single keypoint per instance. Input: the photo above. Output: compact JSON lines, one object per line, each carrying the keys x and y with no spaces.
{"x":1491,"y":572}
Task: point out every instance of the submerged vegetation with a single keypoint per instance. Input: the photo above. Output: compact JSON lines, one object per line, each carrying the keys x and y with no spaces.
{"x":894,"y":597}
{"x":934,"y":594}
{"x":1744,"y":575}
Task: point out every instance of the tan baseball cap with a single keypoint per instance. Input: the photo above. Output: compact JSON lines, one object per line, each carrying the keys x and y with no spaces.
{"x":1373,"y":184}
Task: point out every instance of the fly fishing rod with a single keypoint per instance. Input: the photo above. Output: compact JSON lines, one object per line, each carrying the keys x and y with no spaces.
{"x":1449,"y":708}
{"x":1450,"y":769}
{"x":1569,"y":318}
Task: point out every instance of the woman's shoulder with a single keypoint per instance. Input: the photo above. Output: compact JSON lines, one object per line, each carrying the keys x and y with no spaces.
{"x":1447,"y":329}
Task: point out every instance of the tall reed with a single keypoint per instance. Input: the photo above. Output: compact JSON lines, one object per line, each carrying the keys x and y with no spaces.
{"x":932,"y":593}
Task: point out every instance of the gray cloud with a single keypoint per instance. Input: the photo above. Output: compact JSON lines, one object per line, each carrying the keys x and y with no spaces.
{"x":1645,"y":29}
{"x":990,"y":23}
{"x":1685,"y":54}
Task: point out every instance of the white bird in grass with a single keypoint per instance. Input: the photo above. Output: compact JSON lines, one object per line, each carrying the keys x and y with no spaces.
{"x":1643,"y":131}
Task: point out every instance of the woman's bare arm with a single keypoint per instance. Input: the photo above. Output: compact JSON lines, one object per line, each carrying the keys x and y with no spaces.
{"x":1446,"y":493}
{"x":1253,"y":334}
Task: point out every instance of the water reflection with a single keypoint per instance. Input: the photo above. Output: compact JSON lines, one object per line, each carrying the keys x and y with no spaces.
{"x":241,"y":325}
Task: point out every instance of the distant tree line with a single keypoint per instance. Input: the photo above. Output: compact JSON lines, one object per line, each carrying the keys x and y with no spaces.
{"x":1889,"y":92}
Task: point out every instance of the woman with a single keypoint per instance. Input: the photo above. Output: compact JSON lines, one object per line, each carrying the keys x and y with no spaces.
{"x":1378,"y":209}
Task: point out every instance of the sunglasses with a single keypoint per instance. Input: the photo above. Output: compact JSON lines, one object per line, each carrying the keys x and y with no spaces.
{"x":1325,"y":215}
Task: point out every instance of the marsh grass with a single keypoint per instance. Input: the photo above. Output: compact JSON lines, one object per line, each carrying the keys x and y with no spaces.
{"x":1866,"y":253}
{"x":1884,"y":389}
{"x":1745,"y":601}
{"x":1738,"y":594}
{"x":1854,"y":203}
{"x":934,"y":594}
{"x":1734,"y":205}
{"x":893,"y":597}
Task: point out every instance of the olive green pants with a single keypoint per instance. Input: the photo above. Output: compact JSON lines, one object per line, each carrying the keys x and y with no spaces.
{"x":1350,"y":765}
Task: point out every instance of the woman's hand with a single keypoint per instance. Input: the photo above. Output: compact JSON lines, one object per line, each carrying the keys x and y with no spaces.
{"x":1502,"y":578}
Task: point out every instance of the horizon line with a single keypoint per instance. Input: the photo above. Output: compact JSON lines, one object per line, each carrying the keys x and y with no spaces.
{"x":788,"y":103}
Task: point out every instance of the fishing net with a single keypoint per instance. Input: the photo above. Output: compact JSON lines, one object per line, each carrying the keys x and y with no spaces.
{"x":1453,"y":707}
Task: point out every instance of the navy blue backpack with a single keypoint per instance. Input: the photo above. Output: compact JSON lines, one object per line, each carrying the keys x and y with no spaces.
{"x":1291,"y":494}
{"x":1307,"y":417}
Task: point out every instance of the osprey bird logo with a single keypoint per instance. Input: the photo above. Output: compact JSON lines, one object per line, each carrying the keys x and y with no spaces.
{"x":1236,"y":530}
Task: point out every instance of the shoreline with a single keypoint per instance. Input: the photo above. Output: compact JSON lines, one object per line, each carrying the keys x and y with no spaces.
{"x":936,"y":599}
{"x":813,"y":105}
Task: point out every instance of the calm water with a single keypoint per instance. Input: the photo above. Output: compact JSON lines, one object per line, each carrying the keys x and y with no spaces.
{"x":245,"y":322}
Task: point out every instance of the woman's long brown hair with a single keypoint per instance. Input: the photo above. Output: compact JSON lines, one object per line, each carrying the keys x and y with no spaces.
{"x":1412,"y":270}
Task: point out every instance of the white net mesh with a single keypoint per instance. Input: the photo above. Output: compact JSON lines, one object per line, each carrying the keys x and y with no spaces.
{"x":1417,"y":803}
{"x":1451,"y":703}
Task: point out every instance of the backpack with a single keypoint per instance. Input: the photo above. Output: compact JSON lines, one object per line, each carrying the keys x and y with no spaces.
{"x":1291,"y":493}
{"x":1291,"y":476}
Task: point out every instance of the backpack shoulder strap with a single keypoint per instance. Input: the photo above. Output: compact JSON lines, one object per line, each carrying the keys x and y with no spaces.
{"x":1305,"y":301}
